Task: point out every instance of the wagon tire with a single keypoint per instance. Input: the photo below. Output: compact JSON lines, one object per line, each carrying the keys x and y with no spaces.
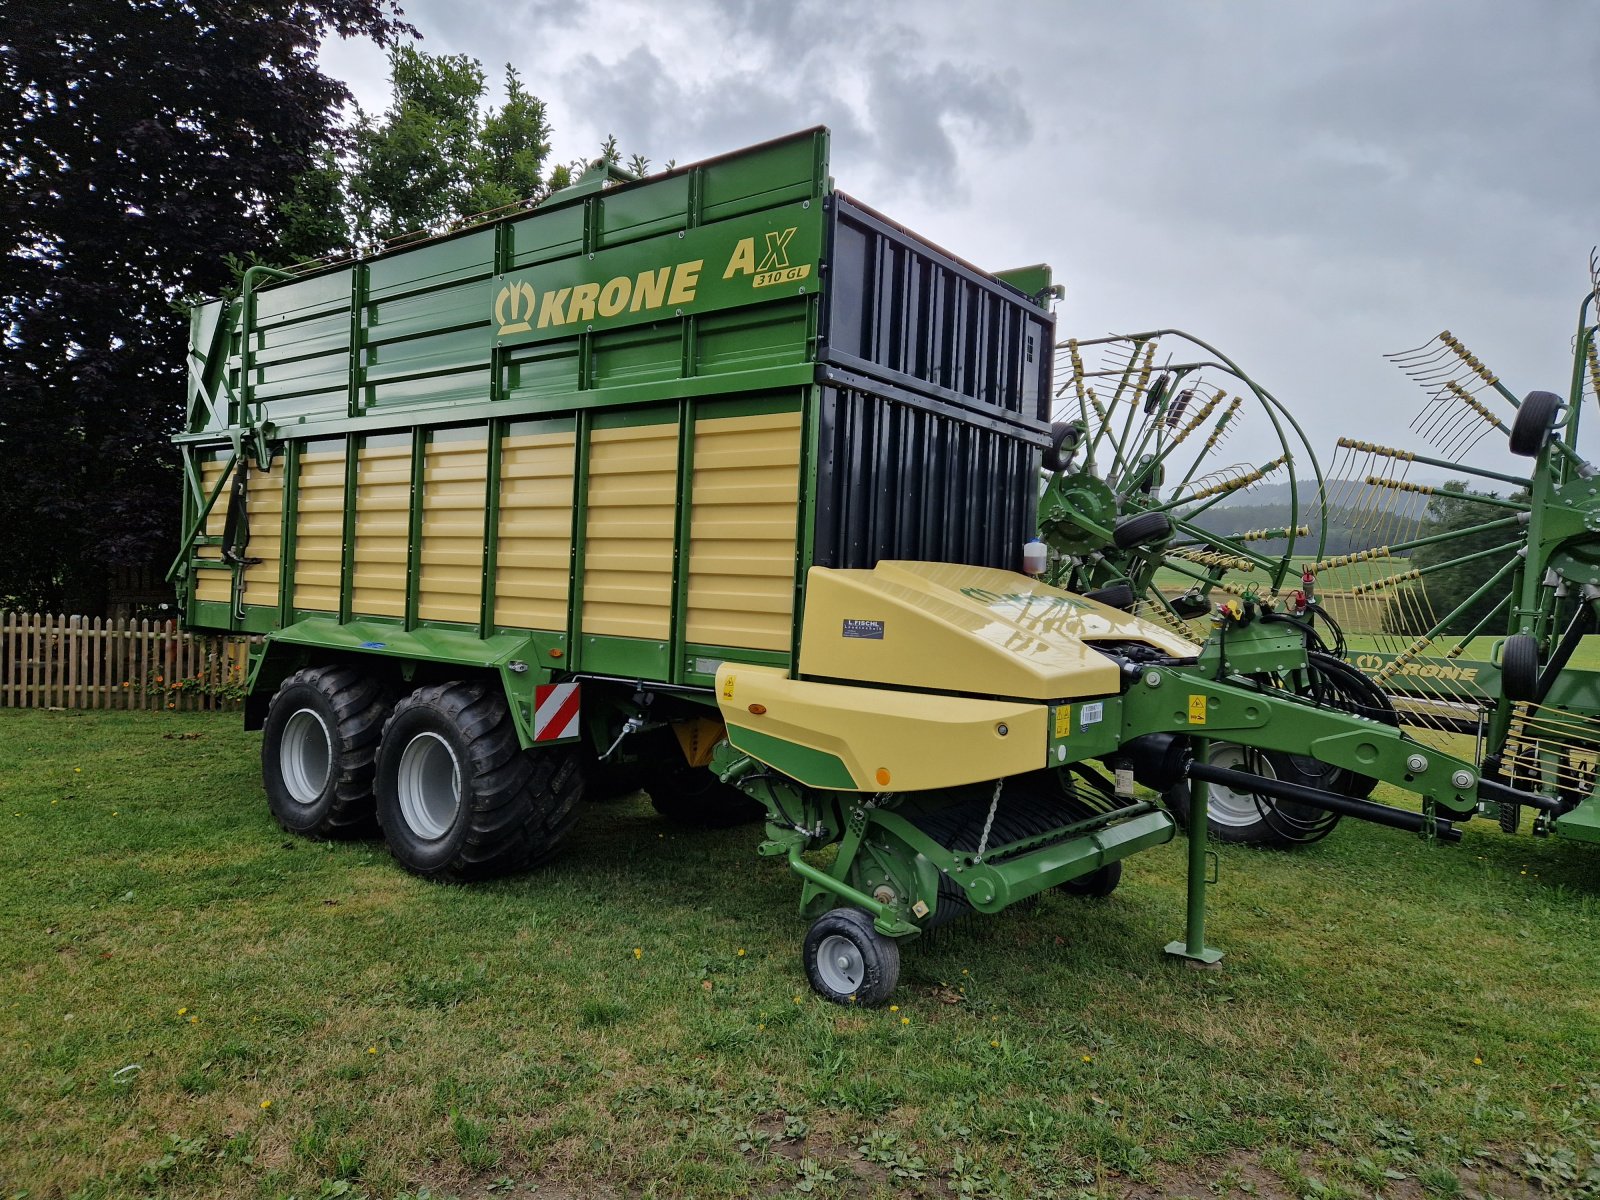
{"x":848,"y":961}
{"x":695,"y":796}
{"x":458,"y":797}
{"x":319,"y":748}
{"x":1530,"y":428}
{"x":1096,"y":885}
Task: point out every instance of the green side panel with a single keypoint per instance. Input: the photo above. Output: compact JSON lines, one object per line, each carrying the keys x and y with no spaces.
{"x":599,"y":289}
{"x":429,"y":644}
{"x":209,"y":615}
{"x":637,"y":658}
{"x":815,"y":768}
{"x":741,"y":260}
{"x":299,"y":349}
{"x":425,"y":329}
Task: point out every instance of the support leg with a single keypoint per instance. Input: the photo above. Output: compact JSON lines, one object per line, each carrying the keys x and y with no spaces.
{"x":1193,"y":948}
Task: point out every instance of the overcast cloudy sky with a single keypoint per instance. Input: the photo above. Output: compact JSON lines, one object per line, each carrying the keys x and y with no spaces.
{"x":1306,"y":186}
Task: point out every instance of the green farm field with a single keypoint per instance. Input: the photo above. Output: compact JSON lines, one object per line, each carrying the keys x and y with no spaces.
{"x":198,"y":1006}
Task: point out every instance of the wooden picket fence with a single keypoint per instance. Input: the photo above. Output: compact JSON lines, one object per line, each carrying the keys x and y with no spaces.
{"x":74,"y":662}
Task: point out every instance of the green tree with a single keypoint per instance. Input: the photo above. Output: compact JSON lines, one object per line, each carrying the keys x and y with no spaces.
{"x":412,"y":170}
{"x":1450,"y":511}
{"x":439,"y":155}
{"x":144,"y":141}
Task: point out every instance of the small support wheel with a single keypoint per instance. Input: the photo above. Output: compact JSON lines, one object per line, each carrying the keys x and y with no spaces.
{"x":1096,"y":884}
{"x":848,"y":961}
{"x":1519,"y":667}
{"x":1530,"y":428}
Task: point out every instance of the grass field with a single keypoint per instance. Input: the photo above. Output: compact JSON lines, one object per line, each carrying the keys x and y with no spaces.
{"x":197,"y":1005}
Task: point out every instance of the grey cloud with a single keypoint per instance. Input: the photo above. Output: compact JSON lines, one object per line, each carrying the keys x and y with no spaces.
{"x":665,"y":116}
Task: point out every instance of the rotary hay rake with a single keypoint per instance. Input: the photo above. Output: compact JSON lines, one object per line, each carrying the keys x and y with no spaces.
{"x":1139,"y":461}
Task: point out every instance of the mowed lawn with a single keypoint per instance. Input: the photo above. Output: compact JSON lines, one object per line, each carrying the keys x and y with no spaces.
{"x":197,"y":1005}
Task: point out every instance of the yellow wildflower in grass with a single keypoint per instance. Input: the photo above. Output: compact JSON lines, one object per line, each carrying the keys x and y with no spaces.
{"x":741,"y":951}
{"x":194,"y":1020}
{"x":994,"y":1045}
{"x":1088,"y":1058}
{"x":372,"y":1049}
{"x":266,"y":1104}
{"x":1477,"y":1061}
{"x":905,"y":1020}
{"x":894,"y":1008}
{"x":797,"y":999}
{"x":77,"y":770}
{"x":182,"y":1011}
{"x":762,"y":1025}
{"x":638,"y":951}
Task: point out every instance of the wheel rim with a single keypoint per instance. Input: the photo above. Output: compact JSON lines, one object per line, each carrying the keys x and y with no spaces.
{"x":429,"y":786}
{"x":305,"y":756}
{"x":840,"y":965}
{"x":1224,"y":806}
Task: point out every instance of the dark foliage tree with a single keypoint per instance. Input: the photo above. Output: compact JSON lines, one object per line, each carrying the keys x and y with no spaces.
{"x":1451,"y":512}
{"x":142,"y":142}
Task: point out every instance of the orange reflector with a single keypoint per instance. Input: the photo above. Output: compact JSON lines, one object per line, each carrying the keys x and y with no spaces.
{"x":555,"y":652}
{"x":758,"y":709}
{"x":882,"y":776}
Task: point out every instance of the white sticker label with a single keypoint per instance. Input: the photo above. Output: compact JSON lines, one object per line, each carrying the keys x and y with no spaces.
{"x":1092,"y":714}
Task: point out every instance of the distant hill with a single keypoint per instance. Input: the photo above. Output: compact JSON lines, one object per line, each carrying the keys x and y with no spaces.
{"x":1351,"y":520}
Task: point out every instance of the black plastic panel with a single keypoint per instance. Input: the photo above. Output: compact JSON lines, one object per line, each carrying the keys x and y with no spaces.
{"x":901,"y":310}
{"x":899,"y":477}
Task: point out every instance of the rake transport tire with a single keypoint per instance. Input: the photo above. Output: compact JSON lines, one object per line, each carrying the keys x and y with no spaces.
{"x":1519,"y":668}
{"x":458,"y":797}
{"x":695,"y":796}
{"x":848,"y":961}
{"x":318,"y":751}
{"x":1531,"y":427}
{"x":1140,"y":529}
{"x":1244,"y":818}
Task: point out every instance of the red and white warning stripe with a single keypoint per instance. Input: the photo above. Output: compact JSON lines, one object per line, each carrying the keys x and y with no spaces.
{"x":555,"y":713}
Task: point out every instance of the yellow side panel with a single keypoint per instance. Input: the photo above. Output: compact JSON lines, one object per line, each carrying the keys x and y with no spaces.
{"x":953,"y":628}
{"x":742,"y":531}
{"x":533,"y":561}
{"x":319,"y":531}
{"x":213,"y":585}
{"x":265,"y":507}
{"x":383,"y":531}
{"x":888,"y":741}
{"x":633,"y":504}
{"x":450,"y":580}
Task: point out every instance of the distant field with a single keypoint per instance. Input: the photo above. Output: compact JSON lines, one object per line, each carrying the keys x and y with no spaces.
{"x":1336,"y":579}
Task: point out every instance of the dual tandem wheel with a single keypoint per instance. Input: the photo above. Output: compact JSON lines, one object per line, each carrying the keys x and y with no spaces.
{"x":440,"y":772}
